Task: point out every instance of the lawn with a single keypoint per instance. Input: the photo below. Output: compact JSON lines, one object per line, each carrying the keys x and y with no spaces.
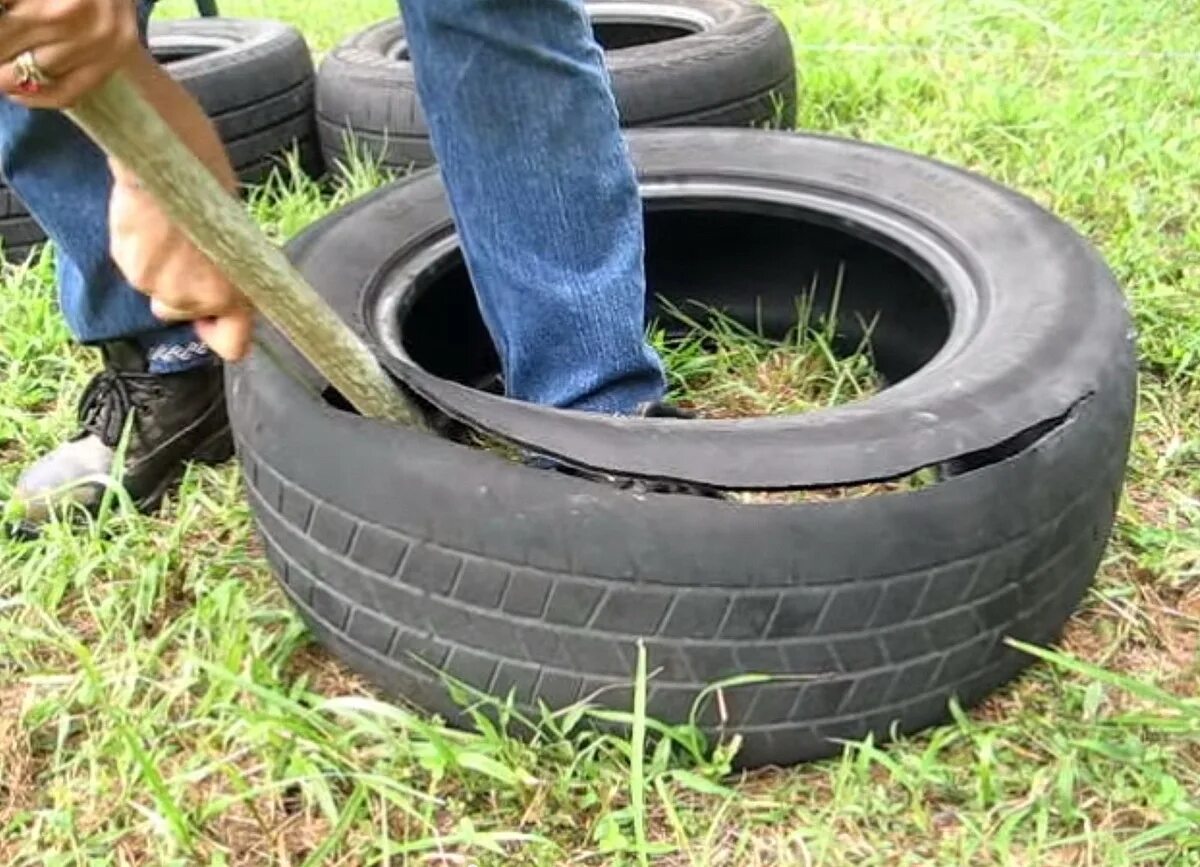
{"x":160,"y":704}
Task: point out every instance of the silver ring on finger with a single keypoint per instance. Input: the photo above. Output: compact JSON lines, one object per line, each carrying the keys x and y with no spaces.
{"x":31,"y":78}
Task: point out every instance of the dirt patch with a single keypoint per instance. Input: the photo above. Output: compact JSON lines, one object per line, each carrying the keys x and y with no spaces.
{"x":1151,"y":509}
{"x":19,"y":769}
{"x":265,"y":832}
{"x":11,"y":452}
{"x":326,"y":676}
{"x":257,"y":823}
{"x":1155,"y":636}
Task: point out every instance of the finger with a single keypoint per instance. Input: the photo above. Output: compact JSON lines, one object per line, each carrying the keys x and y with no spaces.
{"x":181,"y":307}
{"x":139,"y":242}
{"x":64,"y":91}
{"x":180,"y":297}
{"x":72,"y":65}
{"x":51,"y":59}
{"x":142,"y":260}
{"x":170,"y":313}
{"x":227,"y":336}
{"x":93,"y":30}
{"x":22,"y":27}
{"x":179,"y":288}
{"x":68,"y":74}
{"x":125,"y":176}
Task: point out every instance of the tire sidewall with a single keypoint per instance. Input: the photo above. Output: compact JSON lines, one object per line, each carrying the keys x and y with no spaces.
{"x":893,"y":603}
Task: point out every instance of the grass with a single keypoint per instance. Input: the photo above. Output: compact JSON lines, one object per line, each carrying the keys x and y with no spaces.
{"x":720,"y":368}
{"x":160,"y":703}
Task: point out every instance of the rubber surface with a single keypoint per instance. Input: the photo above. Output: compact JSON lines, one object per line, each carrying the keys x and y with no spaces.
{"x":254,"y":78}
{"x":404,"y":550}
{"x":723,"y":63}
{"x":1039,"y":323}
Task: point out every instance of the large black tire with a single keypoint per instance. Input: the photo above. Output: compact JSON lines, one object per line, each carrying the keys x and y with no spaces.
{"x":255,"y":79}
{"x":394,"y":543}
{"x":673,"y":63}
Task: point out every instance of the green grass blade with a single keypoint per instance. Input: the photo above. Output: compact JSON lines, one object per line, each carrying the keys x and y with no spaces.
{"x":637,"y":759}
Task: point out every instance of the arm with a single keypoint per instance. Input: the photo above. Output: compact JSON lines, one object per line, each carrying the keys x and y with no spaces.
{"x":157,"y":258}
{"x":75,"y":45}
{"x":183,"y":114}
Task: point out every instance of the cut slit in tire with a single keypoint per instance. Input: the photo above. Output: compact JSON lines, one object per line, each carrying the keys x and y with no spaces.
{"x":951,"y":467}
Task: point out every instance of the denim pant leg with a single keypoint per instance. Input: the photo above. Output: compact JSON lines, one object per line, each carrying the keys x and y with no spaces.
{"x":525,"y":127}
{"x":64,"y":179}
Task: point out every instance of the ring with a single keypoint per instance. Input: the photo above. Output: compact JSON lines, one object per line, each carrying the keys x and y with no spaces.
{"x":30,"y":77}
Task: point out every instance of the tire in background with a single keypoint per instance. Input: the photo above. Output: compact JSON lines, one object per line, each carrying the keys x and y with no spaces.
{"x":255,"y":80}
{"x":673,"y":63}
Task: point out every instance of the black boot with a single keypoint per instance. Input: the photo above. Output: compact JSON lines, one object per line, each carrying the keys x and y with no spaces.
{"x":177,"y":418}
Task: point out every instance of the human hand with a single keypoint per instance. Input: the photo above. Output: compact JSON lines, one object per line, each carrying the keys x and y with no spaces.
{"x":74,"y":44}
{"x":183,"y":284}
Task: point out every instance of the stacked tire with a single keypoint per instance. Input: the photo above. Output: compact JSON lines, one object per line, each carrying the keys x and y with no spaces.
{"x":255,"y":79}
{"x":673,"y":63}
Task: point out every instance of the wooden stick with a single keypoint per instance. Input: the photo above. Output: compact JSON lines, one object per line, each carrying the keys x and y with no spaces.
{"x":127,"y":128}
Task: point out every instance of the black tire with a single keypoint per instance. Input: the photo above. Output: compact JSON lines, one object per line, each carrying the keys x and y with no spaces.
{"x":255,"y":79}
{"x":20,"y":233}
{"x":673,"y":63}
{"x":508,"y":577}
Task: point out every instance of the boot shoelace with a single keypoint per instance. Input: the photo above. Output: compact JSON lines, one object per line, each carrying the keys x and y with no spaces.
{"x":108,"y":400}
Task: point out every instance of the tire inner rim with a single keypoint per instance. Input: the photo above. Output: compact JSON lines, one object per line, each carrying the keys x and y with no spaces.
{"x":619,"y":26}
{"x":750,"y":249}
{"x":753,"y":254}
{"x":176,"y":49}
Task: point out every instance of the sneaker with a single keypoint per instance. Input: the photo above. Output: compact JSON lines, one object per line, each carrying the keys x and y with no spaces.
{"x":177,"y":418}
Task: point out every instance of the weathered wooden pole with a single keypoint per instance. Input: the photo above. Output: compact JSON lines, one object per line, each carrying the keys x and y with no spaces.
{"x":127,"y":128}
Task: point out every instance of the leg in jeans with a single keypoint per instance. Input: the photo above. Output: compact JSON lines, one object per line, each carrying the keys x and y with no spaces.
{"x":65,"y":181}
{"x":162,"y":377}
{"x":525,"y":127}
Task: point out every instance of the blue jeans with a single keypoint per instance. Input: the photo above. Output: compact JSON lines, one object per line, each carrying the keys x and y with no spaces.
{"x":543,"y":192}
